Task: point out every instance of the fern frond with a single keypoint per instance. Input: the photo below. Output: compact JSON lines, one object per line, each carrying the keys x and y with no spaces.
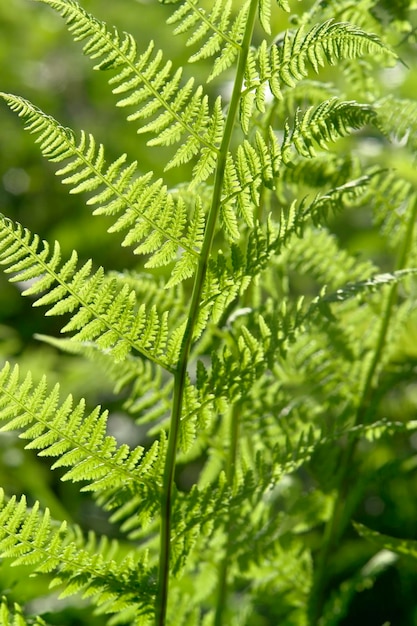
{"x":253,"y":165}
{"x":285,"y":391}
{"x":318,"y":126}
{"x":157,"y":222}
{"x":287,"y":61}
{"x":105,"y":314}
{"x":268,"y":367}
{"x":30,"y":537}
{"x":244,"y":360}
{"x":172,"y":113}
{"x":198,"y":413}
{"x":292,"y":219}
{"x":350,"y":195}
{"x":212,"y":30}
{"x":143,"y":383}
{"x":61,"y":429}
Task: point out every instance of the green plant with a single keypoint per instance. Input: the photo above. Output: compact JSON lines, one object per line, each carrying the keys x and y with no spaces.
{"x":254,"y":345}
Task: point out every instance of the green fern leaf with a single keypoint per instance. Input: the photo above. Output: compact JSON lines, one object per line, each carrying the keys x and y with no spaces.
{"x":346,"y":196}
{"x":271,"y":360}
{"x":261,"y":161}
{"x":156,"y":221}
{"x":92,"y":457}
{"x":323,"y":124}
{"x":30,"y":537}
{"x":106,"y":314}
{"x":228,"y":279}
{"x":175,"y":114}
{"x":286,"y":61}
{"x":149,"y":394}
{"x":264,"y":10}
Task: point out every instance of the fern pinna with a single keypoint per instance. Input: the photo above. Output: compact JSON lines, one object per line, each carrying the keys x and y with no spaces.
{"x":248,"y":342}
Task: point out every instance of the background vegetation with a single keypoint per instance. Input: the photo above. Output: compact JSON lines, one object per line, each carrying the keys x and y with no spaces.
{"x":39,"y":61}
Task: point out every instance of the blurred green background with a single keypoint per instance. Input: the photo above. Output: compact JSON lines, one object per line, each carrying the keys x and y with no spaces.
{"x":39,"y":61}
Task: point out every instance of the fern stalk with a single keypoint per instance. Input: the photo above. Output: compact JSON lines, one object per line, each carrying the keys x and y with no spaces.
{"x":181,"y":370}
{"x":339,"y":517}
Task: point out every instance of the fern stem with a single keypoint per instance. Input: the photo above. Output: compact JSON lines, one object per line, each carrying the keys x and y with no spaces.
{"x":181,"y":370}
{"x":341,"y":514}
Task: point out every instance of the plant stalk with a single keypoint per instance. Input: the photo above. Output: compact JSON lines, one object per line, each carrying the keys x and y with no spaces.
{"x":181,"y":369}
{"x":338,"y":519}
